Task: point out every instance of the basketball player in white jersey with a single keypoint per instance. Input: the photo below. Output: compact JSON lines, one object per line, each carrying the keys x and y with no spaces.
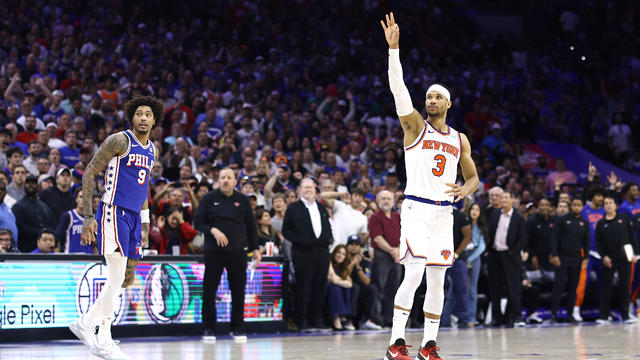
{"x":432,"y":153}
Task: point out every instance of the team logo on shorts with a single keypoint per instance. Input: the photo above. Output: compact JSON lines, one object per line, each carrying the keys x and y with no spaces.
{"x":445,"y":254}
{"x":166,"y":294}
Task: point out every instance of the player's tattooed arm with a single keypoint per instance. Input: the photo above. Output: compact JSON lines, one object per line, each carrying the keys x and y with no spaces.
{"x":130,"y":273}
{"x":113,"y":145}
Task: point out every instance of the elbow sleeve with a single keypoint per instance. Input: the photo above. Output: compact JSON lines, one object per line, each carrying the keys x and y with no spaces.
{"x":397,"y":86}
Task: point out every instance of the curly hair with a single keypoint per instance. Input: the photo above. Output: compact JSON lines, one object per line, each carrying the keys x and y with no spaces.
{"x":157,"y":107}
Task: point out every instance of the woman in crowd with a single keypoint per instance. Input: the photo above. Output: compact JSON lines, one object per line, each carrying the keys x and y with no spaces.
{"x":473,"y":254}
{"x":266,"y":233}
{"x":339,"y":289}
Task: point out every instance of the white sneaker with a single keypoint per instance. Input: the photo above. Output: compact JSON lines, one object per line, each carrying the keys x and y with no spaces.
{"x":370,"y":325}
{"x":110,"y":351}
{"x":349,"y":327}
{"x":208,"y":337}
{"x":86,"y":334}
{"x":534,"y":318}
{"x":239,"y":336}
{"x":576,"y":314}
{"x":519,"y":323}
{"x":602,"y":321}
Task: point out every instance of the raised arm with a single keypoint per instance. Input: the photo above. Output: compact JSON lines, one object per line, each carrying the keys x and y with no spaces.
{"x":114,"y":145}
{"x":411,"y":121}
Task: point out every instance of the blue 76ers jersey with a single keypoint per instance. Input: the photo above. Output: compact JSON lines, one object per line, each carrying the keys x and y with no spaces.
{"x":126,"y":181}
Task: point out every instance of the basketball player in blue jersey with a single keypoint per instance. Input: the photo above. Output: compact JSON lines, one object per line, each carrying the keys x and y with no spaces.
{"x":121,"y":223}
{"x":432,"y":153}
{"x":69,"y":231}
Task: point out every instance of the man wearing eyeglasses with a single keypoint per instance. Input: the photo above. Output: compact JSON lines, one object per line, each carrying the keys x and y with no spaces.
{"x":6,"y":242}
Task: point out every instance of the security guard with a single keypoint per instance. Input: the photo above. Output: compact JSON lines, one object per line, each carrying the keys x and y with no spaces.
{"x":613,"y":232}
{"x":569,"y":252}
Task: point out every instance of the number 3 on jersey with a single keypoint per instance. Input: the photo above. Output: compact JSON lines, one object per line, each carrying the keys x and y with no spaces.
{"x":439,"y":169}
{"x":142,"y":177}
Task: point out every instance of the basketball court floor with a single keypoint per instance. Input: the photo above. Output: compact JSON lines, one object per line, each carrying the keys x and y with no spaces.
{"x":538,"y":342}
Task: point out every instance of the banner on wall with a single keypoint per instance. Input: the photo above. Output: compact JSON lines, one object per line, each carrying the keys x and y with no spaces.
{"x":39,"y":294}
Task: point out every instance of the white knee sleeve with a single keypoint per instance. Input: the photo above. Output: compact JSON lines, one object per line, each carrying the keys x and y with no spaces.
{"x":104,"y":305}
{"x":412,"y":278}
{"x":434,"y":299}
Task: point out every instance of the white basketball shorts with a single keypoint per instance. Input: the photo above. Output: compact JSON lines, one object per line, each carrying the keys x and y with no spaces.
{"x":426,"y":234}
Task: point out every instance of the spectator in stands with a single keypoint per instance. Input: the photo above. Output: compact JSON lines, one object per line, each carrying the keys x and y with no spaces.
{"x":7,"y":218}
{"x":362,"y":290}
{"x":46,"y":242}
{"x":495,"y":201}
{"x":266,"y":233}
{"x":55,"y":158}
{"x":613,"y":233}
{"x":16,"y":189}
{"x":59,"y":198}
{"x":176,"y":234}
{"x":457,"y":297}
{"x":70,"y":154}
{"x":620,"y":140}
{"x":567,"y":176}
{"x":386,"y":272}
{"x":339,"y":289}
{"x":69,"y":230}
{"x":30,"y":163}
{"x":32,"y":216}
{"x":29,"y":132}
{"x":473,"y":255}
{"x":176,"y":199}
{"x":6,"y":242}
{"x":507,"y":237}
{"x":15,"y":156}
{"x":347,"y":219}
{"x":306,"y":225}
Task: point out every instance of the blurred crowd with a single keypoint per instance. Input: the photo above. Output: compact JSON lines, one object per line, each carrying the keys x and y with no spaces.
{"x":278,"y":95}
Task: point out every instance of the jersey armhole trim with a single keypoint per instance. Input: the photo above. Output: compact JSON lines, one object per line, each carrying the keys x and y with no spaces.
{"x":418,"y":140}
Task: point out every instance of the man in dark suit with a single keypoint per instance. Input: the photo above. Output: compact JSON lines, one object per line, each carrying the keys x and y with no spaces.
{"x":306,"y":225}
{"x":507,"y":237}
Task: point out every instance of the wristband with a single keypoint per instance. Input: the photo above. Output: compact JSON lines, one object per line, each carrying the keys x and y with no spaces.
{"x":88,"y":216}
{"x":144,"y":216}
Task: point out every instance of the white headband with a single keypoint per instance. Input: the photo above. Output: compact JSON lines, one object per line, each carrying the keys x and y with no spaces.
{"x":441,"y":89}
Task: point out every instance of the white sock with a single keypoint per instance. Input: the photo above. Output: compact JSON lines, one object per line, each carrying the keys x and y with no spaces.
{"x":104,"y":331}
{"x":400,"y":318}
{"x":430,"y":330}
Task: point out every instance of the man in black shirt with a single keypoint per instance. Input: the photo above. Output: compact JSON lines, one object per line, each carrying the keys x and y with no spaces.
{"x":457,"y":298}
{"x":613,"y":232}
{"x":538,"y":233}
{"x":225,"y":218}
{"x":59,"y":197}
{"x":569,"y":253}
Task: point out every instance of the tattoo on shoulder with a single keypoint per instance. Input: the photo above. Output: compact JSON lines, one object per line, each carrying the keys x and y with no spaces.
{"x":113,"y":145}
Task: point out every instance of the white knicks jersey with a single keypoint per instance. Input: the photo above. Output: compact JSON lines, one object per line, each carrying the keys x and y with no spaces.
{"x":431,"y":162}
